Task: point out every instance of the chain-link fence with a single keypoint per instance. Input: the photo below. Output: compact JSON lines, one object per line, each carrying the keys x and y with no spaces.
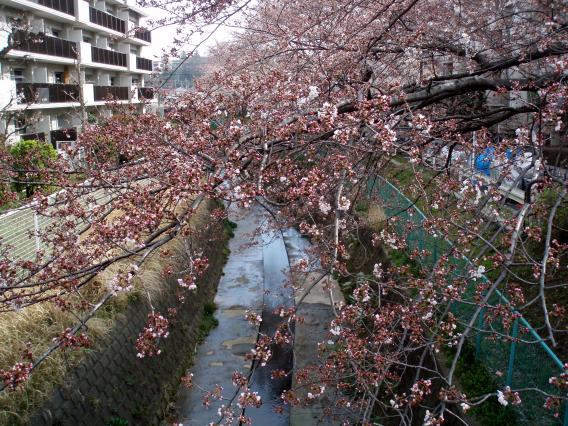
{"x":20,"y":229}
{"x":520,"y":357}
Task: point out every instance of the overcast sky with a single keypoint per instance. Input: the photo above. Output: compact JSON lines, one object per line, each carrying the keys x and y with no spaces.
{"x":162,"y":37}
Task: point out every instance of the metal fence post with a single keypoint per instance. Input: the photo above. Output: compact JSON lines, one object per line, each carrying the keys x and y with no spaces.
{"x":480,"y":324}
{"x":36,"y":233}
{"x":512,"y":353}
{"x":435,"y":251}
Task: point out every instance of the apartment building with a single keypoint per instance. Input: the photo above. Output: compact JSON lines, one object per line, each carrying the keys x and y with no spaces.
{"x":62,"y":60}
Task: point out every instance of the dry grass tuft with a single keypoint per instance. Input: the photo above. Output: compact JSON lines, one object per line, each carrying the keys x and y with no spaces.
{"x":37,"y":326}
{"x":376,"y":218}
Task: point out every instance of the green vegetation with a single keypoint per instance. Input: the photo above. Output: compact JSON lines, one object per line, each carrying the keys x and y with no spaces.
{"x":117,"y":421}
{"x":29,"y":158}
{"x":208,"y":321}
{"x":474,"y":379}
{"x":230,"y":227}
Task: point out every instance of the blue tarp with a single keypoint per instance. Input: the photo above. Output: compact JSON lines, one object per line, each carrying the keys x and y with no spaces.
{"x":483,"y":161}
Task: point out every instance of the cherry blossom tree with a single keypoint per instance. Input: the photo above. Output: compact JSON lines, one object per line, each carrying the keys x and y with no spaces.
{"x":303,"y":107}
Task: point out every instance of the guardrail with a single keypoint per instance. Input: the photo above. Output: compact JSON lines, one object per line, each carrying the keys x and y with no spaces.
{"x":107,"y":20}
{"x":65,"y":6}
{"x":102,"y":93}
{"x":43,"y":44}
{"x":109,"y":57}
{"x":41,"y":93}
{"x":20,"y":228}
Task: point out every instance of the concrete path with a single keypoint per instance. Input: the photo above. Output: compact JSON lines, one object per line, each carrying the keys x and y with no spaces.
{"x":317,"y":313}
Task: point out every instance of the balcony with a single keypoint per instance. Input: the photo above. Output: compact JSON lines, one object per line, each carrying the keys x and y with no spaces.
{"x":43,"y":44}
{"x":103,"y":93}
{"x":40,"y":137}
{"x":145,"y":93}
{"x":44,"y":93}
{"x":109,"y":57}
{"x":143,"y":64}
{"x":65,"y":6}
{"x":63,"y":135}
{"x":107,"y":20}
{"x":143,"y":34}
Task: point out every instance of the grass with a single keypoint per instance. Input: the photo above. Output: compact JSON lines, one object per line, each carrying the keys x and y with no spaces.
{"x":36,"y":326}
{"x":474,"y":379}
{"x":230,"y":227}
{"x":117,"y":421}
{"x":208,"y":321}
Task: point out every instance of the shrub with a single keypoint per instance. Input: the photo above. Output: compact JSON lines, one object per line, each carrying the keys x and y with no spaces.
{"x":30,"y":158}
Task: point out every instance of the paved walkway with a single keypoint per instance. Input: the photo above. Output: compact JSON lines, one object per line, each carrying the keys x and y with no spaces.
{"x":317,"y":314}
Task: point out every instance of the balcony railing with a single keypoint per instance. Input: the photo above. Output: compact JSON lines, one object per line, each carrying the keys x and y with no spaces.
{"x":40,"y":137}
{"x":43,"y":93}
{"x":65,"y":6}
{"x":145,"y":93}
{"x":43,"y":44}
{"x":143,"y":64}
{"x":107,"y":20}
{"x":109,"y":57}
{"x":143,"y":34}
{"x":102,"y":93}
{"x":63,"y":135}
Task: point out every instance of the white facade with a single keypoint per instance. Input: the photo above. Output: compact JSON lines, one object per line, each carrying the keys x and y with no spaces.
{"x":64,"y":59}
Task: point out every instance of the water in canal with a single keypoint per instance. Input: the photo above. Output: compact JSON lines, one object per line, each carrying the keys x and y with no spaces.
{"x":253,"y":279}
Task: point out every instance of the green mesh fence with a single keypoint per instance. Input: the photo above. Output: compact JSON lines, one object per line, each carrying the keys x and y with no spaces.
{"x":522,"y":363}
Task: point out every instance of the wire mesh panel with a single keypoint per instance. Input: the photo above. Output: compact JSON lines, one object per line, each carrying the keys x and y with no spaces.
{"x":17,"y":233}
{"x":523,"y":363}
{"x":532,"y":369}
{"x":20,"y":229}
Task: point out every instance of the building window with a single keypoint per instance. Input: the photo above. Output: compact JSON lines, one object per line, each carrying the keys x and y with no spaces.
{"x":17,"y":75}
{"x":56,"y":32}
{"x":112,"y":81}
{"x":61,"y":122}
{"x":58,"y":77}
{"x":20,"y":125}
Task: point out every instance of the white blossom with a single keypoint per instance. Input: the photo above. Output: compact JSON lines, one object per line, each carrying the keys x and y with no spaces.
{"x":501,"y":398}
{"x":324,"y":206}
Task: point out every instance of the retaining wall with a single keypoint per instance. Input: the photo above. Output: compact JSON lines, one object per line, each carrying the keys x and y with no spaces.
{"x":111,"y":385}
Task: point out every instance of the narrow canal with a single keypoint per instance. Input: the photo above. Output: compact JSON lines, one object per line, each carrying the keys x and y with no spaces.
{"x":254,"y":278}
